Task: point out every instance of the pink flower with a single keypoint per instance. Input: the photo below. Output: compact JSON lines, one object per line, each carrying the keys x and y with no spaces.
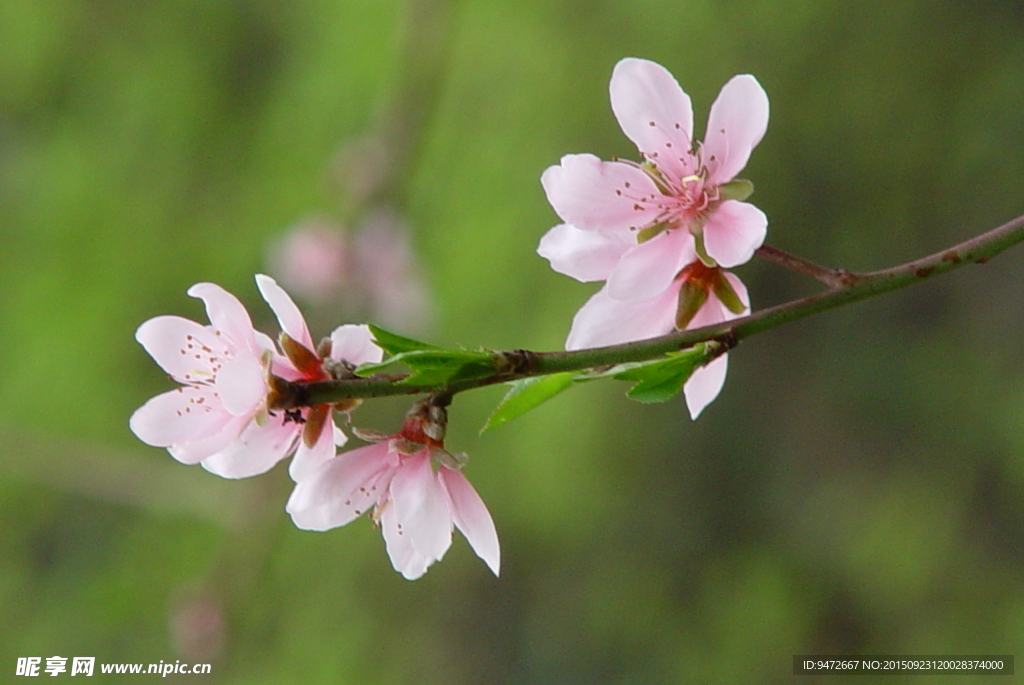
{"x":416,"y":491}
{"x":604,"y":320}
{"x":219,"y":417}
{"x":681,"y":190}
{"x":657,"y":232}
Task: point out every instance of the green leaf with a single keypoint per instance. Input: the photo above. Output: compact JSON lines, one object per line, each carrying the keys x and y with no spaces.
{"x":436,"y":366}
{"x":526,"y":394}
{"x":661,"y":380}
{"x":392,"y":343}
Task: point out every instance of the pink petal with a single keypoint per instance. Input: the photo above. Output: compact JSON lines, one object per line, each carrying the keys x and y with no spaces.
{"x":180,"y":346}
{"x":196,"y":449}
{"x":738,"y":120}
{"x":242,"y":385}
{"x":339,"y":437}
{"x":654,"y":113}
{"x":647,"y":269}
{"x":183,"y":414}
{"x":600,"y":196}
{"x":264,"y":343}
{"x":226,"y":314}
{"x":704,"y":385}
{"x":255,"y":451}
{"x":404,"y":556}
{"x":604,"y":321}
{"x":420,"y":507}
{"x":282,"y":366}
{"x":308,"y":459}
{"x":355,"y":344}
{"x":706,"y":382}
{"x":342,"y":488}
{"x":288,"y":314}
{"x":733,"y":232}
{"x":471,"y":516}
{"x":583,"y":255}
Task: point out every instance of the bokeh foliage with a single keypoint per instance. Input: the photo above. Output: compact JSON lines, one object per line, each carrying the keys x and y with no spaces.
{"x":857,"y":488}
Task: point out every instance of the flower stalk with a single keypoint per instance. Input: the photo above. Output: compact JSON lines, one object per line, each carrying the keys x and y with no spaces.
{"x":519,"y":364}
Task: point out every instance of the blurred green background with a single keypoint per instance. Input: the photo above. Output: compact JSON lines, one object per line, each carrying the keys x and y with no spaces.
{"x":858,"y":488}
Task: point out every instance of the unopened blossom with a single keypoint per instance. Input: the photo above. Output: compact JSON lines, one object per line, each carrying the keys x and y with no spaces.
{"x":698,"y":296}
{"x":681,"y":190}
{"x":411,"y":487}
{"x":311,"y":259}
{"x":220,"y":415}
{"x":389,"y":273}
{"x":373,"y":272}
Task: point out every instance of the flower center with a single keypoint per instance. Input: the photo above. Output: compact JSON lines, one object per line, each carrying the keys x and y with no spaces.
{"x":683,"y":201}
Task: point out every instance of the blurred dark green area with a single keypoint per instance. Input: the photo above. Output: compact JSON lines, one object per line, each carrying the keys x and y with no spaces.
{"x":858,"y":488}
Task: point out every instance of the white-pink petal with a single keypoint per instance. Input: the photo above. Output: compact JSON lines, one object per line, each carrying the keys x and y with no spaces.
{"x":179,"y":346}
{"x":736,"y":124}
{"x":179,"y":415}
{"x":226,"y":314}
{"x":583,"y":255}
{"x":196,"y":448}
{"x":342,"y":488}
{"x":241,"y":384}
{"x":704,"y":385}
{"x":355,"y":344}
{"x":308,"y":459}
{"x":654,"y":113}
{"x":288,"y":314}
{"x":604,"y":321}
{"x":706,"y":382}
{"x":471,"y":517}
{"x":733,"y":231}
{"x":255,"y":451}
{"x":405,"y":558}
{"x":420,"y":507}
{"x":647,"y":269}
{"x":600,"y":196}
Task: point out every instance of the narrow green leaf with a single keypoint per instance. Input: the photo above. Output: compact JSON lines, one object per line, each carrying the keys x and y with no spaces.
{"x":659,"y":388}
{"x":436,"y":366}
{"x":526,"y":394}
{"x":455,"y":369}
{"x":392,"y":343}
{"x":661,"y":380}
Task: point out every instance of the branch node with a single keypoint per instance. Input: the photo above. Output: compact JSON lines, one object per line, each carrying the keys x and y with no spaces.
{"x":514,"y":362}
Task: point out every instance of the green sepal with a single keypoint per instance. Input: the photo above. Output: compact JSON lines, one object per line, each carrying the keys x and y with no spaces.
{"x":702,"y":253}
{"x":643,"y":235}
{"x":736,"y":189}
{"x":727,"y":295}
{"x":661,"y":380}
{"x":692,"y":297}
{"x":526,"y":394}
